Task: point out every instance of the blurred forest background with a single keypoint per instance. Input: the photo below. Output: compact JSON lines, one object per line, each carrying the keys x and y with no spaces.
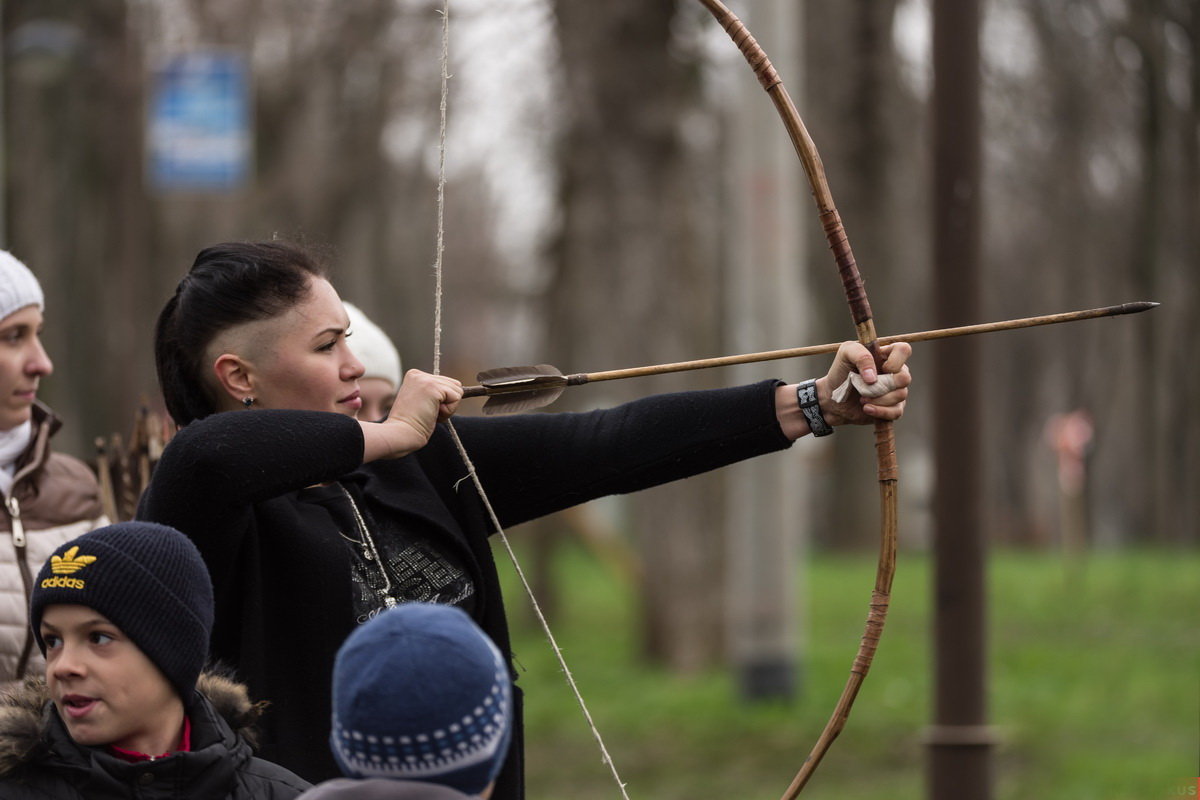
{"x":619,"y":194}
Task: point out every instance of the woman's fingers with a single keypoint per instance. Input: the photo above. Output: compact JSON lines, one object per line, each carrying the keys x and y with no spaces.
{"x":895,"y":356}
{"x":853,"y":357}
{"x":424,"y":400}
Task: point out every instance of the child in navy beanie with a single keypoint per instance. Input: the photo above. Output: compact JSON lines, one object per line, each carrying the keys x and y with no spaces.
{"x":148,"y":580}
{"x":422,"y":708}
{"x":123,"y":615}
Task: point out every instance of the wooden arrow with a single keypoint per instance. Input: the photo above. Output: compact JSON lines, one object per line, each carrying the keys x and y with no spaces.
{"x":513,"y":389}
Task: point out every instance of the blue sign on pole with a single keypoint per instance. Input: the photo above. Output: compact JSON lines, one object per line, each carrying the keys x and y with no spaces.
{"x":199,"y":135}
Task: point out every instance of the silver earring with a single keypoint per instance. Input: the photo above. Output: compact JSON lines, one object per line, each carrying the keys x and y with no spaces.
{"x":247,"y":401}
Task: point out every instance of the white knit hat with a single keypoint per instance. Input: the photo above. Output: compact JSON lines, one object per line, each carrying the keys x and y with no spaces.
{"x":373,"y":347}
{"x":18,"y":287}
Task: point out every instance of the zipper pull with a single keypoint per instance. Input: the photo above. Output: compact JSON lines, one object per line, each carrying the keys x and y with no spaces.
{"x":18,"y":530}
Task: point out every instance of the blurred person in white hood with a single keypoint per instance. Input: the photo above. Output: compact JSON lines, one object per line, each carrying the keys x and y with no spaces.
{"x":381,"y":365}
{"x":49,"y":498}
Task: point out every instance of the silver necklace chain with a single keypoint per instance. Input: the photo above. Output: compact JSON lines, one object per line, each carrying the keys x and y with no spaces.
{"x":370,"y":553}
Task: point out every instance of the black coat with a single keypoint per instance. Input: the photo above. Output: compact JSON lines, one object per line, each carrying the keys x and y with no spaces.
{"x":40,"y":761}
{"x":281,"y":571}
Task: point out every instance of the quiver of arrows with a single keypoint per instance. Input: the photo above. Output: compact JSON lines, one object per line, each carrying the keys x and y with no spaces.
{"x":123,"y":470}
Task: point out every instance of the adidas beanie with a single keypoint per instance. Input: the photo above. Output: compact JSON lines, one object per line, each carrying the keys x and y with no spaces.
{"x":147,"y":579}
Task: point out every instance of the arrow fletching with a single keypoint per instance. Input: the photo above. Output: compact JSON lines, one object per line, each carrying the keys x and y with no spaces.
{"x":520,"y":378}
{"x":516,"y":402}
{"x":513,"y":389}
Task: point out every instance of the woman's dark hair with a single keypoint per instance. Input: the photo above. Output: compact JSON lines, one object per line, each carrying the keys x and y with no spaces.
{"x":228,"y":284}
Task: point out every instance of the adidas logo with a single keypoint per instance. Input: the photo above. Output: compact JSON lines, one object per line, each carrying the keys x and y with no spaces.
{"x":59,"y":582}
{"x":68,"y":563}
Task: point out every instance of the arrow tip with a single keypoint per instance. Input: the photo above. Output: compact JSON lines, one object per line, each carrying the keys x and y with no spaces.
{"x":1138,"y":307}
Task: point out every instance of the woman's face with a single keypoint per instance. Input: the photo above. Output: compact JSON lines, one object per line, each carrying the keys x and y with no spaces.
{"x":300,"y":359}
{"x":23,"y":363}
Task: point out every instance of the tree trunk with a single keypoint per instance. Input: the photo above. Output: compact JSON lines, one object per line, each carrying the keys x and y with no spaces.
{"x":856,"y":122}
{"x":636,"y":278}
{"x":770,"y":499}
{"x":76,"y":201}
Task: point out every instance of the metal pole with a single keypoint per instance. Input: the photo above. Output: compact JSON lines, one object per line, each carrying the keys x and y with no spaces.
{"x":960,"y":741}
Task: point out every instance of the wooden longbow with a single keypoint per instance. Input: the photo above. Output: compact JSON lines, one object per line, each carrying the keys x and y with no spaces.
{"x":864,"y":325}
{"x":517,"y":388}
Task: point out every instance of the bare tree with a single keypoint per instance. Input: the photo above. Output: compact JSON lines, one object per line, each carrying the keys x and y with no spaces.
{"x":868,"y":127}
{"x":636,"y":276}
{"x":1088,"y":178}
{"x":336,"y":86}
{"x":77,"y":213}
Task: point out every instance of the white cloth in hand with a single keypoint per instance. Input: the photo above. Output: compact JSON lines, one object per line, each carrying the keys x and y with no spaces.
{"x":885,"y":384}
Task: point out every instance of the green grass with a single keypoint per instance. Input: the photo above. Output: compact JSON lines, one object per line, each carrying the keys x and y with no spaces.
{"x":1094,"y":687}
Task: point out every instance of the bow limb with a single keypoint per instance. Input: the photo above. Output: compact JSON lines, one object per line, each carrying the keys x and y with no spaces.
{"x":860,"y":311}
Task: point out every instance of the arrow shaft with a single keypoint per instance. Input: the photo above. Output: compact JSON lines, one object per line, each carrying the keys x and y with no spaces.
{"x":818,"y":349}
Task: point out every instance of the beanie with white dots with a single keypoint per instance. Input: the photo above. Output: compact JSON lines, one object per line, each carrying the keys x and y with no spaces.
{"x":421,"y":693}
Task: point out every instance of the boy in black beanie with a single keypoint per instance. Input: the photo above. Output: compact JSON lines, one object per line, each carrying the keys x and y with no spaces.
{"x":123,"y":615}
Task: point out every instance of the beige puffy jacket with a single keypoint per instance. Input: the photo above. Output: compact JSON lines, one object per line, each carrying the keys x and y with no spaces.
{"x":54,"y":498}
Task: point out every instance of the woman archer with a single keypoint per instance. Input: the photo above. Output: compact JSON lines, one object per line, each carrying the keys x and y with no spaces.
{"x":311,"y":521}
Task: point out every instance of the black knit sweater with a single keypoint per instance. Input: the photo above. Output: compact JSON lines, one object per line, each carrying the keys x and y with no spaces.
{"x":281,"y":571}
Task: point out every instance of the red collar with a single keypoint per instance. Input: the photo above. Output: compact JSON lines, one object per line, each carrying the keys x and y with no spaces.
{"x":185,"y":745}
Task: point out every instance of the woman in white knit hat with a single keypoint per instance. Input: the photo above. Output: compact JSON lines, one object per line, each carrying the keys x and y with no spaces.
{"x":381,"y":365}
{"x":49,"y":498}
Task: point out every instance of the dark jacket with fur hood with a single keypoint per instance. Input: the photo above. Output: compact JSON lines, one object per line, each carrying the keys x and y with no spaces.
{"x":40,"y":761}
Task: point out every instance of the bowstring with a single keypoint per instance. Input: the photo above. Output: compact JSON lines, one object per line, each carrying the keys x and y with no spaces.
{"x":462,"y":450}
{"x":441,"y":190}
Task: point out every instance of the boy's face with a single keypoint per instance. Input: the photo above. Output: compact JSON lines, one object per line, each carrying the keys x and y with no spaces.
{"x":106,"y":690}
